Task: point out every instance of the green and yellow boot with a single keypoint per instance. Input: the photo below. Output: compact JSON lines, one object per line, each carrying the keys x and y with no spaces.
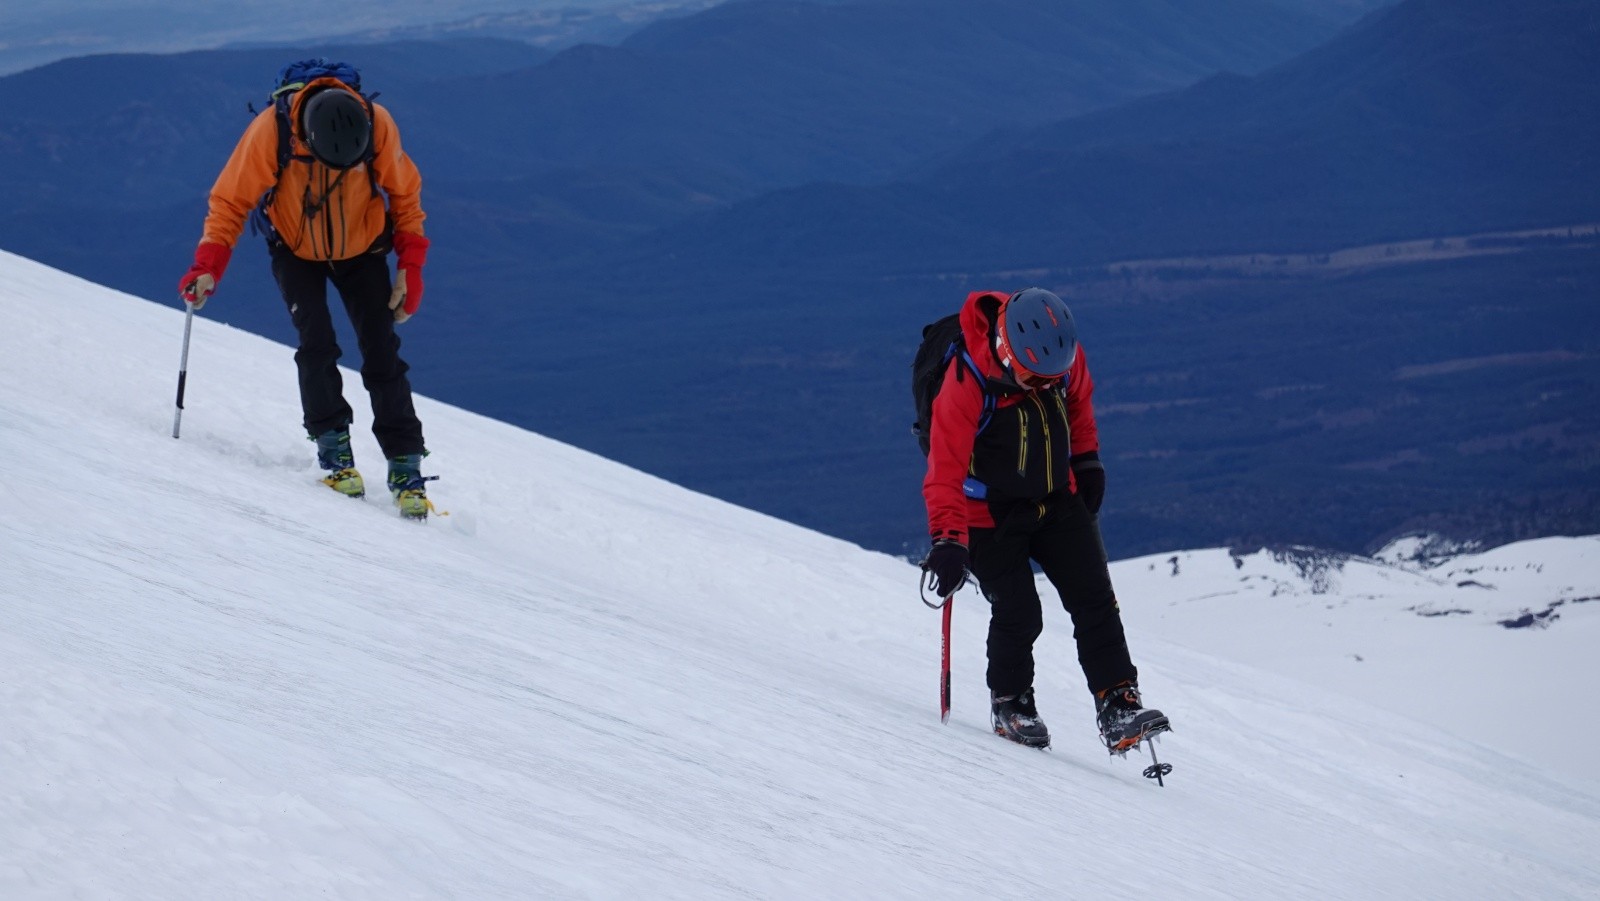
{"x":408,"y":486}
{"x":335,"y":457}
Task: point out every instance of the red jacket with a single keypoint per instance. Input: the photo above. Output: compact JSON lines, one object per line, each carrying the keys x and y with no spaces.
{"x":1025,"y":449}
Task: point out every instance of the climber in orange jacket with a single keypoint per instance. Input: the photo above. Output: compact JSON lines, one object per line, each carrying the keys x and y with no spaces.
{"x":321,"y":173}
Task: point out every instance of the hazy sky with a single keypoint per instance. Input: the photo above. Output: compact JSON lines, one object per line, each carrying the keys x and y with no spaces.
{"x":39,"y":31}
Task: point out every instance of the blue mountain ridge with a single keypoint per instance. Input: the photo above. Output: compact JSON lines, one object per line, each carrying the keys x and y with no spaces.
{"x":773,"y":335}
{"x":1330,"y":404}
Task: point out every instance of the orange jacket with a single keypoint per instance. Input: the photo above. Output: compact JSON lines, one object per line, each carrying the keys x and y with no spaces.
{"x":352,"y":217}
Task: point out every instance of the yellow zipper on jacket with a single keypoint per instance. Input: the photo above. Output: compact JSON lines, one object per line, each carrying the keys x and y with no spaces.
{"x":1022,"y":440}
{"x":1044,"y":423}
{"x":1061,"y":404}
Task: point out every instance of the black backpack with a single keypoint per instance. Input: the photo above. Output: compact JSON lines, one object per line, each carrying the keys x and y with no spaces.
{"x":942,"y":343}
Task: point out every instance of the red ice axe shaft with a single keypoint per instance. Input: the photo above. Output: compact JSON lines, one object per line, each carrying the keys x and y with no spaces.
{"x":944,"y":664}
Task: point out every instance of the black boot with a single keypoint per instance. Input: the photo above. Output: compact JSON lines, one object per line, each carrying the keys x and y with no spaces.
{"x":1123,"y":719}
{"x":1015,"y":718}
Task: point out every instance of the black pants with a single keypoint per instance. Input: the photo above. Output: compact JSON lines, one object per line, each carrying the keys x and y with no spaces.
{"x":1065,"y":541}
{"x":363,"y":284}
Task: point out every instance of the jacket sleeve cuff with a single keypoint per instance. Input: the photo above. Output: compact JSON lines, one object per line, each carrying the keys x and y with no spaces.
{"x":1086,"y":461}
{"x":411,"y":251}
{"x":212,"y":258}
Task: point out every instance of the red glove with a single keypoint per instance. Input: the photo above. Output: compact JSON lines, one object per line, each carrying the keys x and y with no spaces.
{"x":411,"y":253}
{"x":210,"y":261}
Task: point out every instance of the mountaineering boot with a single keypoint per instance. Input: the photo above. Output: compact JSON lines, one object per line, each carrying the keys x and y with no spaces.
{"x":1015,"y":718}
{"x":1123,"y":719}
{"x":334,"y":456}
{"x":408,"y":487}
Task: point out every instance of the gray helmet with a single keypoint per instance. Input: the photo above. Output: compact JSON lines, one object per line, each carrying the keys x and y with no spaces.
{"x":1035,"y":336}
{"x":336,"y":127}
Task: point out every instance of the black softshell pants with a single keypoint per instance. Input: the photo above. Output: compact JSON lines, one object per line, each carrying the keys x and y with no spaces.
{"x":1064,"y":540}
{"x":363,"y":284}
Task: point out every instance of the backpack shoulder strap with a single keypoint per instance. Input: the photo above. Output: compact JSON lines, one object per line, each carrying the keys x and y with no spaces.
{"x":260,"y":224}
{"x":968,"y":364}
{"x":280,"y":109}
{"x":372,"y":144}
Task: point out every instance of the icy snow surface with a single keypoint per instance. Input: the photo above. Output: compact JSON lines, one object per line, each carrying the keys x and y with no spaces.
{"x":219,"y":679}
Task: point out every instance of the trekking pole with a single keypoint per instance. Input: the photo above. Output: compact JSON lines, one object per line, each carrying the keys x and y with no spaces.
{"x":183,"y":366}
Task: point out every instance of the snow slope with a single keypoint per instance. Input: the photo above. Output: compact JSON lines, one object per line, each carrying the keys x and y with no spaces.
{"x":1496,"y":646}
{"x":220,"y":680}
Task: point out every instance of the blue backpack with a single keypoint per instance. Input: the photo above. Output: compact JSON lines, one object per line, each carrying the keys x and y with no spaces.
{"x":292,"y":78}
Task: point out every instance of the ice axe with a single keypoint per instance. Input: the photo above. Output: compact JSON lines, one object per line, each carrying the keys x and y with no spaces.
{"x":944,"y":664}
{"x":944,"y":647}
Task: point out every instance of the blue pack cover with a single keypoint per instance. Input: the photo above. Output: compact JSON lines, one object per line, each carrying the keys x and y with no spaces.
{"x":297,"y":75}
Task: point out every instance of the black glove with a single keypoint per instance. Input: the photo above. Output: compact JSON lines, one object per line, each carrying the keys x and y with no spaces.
{"x":947,"y":562}
{"x":1090,"y":475}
